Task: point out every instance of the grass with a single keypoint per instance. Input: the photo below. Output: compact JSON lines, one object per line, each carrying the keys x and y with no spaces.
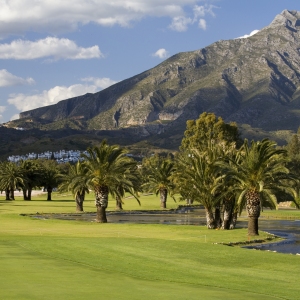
{"x":56,"y":259}
{"x":281,"y":214}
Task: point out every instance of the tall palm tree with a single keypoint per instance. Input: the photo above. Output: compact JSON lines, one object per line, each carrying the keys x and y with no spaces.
{"x":11,"y":178}
{"x":75,"y":181}
{"x":32,"y":174}
{"x":259,"y":175}
{"x":133,"y":186}
{"x":107,"y":170}
{"x":199,"y":178}
{"x":49,"y":176}
{"x":228,"y":204}
{"x":225,"y":191}
{"x":159,"y":179}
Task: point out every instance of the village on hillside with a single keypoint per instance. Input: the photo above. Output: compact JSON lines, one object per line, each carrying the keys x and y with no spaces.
{"x":61,"y":156}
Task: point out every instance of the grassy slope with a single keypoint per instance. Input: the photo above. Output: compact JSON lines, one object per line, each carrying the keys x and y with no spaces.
{"x":47,"y":259}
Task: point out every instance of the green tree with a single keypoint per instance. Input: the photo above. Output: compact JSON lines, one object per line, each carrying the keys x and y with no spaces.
{"x":49,"y":178}
{"x":75,"y":181}
{"x":159,"y":178}
{"x":133,"y":187}
{"x":208,"y":140}
{"x":107,"y":170}
{"x":11,"y":178}
{"x":32,"y":175}
{"x":208,"y":127}
{"x":199,"y":178}
{"x":259,"y":175}
{"x":293,"y":147}
{"x":197,"y":173}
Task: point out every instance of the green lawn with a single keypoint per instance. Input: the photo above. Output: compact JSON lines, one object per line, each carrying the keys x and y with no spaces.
{"x":281,"y":214}
{"x":54,"y":259}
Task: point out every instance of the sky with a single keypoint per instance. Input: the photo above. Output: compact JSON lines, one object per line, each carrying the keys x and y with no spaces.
{"x":51,"y":50}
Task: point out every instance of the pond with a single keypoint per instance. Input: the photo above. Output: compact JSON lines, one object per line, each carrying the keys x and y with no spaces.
{"x":287,"y":229}
{"x":183,"y":216}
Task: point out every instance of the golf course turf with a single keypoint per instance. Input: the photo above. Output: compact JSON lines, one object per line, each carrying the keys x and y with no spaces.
{"x":57,"y":259}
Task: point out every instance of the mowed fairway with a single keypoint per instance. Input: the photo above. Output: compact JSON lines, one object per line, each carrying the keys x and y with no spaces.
{"x":54,"y":259}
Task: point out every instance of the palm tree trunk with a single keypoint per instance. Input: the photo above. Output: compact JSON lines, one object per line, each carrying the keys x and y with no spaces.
{"x":253,"y":210}
{"x":101,"y":215}
{"x":24,"y":194}
{"x":49,"y":192}
{"x":233,"y":220}
{"x":210,"y":221}
{"x":118,"y":203}
{"x":12,"y":194}
{"x":25,"y":197}
{"x":163,"y":198}
{"x":29,"y":194}
{"x":29,"y":190}
{"x":79,"y":198}
{"x":218,"y":220}
{"x":7,"y":194}
{"x":227,"y":214}
{"x":101,"y":202}
{"x":253,"y":226}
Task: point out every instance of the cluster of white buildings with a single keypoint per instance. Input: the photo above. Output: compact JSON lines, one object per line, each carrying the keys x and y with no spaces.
{"x":62,"y":156}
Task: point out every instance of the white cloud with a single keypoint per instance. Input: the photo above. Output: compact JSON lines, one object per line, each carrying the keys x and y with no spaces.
{"x":181,"y":23}
{"x":248,"y":35}
{"x":202,"y":11}
{"x":102,"y":83}
{"x":161,"y":53}
{"x":8,"y":79}
{"x":48,"y":97}
{"x":48,"y":47}
{"x":17,"y":17}
{"x":202,"y":24}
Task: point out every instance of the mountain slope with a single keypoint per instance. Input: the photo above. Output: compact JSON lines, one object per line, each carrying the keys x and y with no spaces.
{"x":253,"y":81}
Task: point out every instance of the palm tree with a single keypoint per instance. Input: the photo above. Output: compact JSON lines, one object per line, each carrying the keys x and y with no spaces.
{"x":76,"y":181}
{"x":11,"y":178}
{"x":198,"y":176}
{"x":225,"y":191}
{"x":49,"y":176}
{"x":133,"y":186}
{"x":107,"y":170}
{"x":32,"y":174}
{"x":259,"y":175}
{"x":159,"y":179}
{"x":228,"y":203}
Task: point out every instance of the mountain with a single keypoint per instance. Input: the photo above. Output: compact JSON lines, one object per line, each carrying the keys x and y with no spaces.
{"x":253,"y":81}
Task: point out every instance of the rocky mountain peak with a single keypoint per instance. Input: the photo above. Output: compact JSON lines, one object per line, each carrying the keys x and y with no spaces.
{"x":287,"y":18}
{"x":254,"y":81}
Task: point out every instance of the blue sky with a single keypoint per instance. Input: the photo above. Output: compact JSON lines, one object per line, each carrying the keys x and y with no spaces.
{"x":52,"y":50}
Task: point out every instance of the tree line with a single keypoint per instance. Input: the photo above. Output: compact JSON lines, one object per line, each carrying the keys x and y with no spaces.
{"x":213,"y":167}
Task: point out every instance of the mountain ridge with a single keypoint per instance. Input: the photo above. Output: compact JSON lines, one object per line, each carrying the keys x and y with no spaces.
{"x":253,"y":81}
